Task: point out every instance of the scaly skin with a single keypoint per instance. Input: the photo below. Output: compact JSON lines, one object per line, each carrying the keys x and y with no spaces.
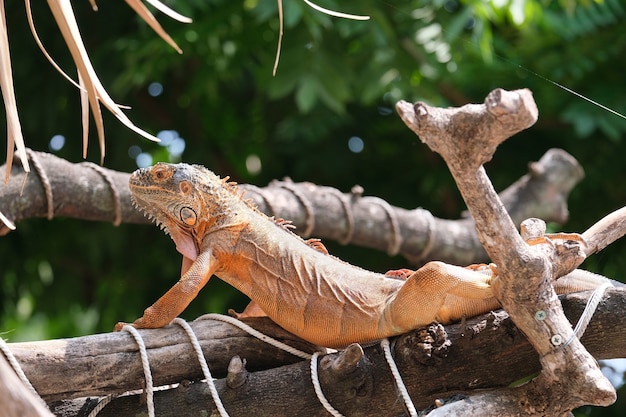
{"x":309,"y":293}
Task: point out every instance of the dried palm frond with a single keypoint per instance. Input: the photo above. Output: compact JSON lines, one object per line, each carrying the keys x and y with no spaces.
{"x":92,"y":93}
{"x":334,"y":13}
{"x":149,"y":18}
{"x":95,"y":92}
{"x":15,"y":139}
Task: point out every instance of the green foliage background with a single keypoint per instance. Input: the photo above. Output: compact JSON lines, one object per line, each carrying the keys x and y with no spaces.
{"x":336,"y":79}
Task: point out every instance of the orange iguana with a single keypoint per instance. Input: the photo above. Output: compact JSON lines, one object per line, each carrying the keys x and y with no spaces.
{"x":303,"y":289}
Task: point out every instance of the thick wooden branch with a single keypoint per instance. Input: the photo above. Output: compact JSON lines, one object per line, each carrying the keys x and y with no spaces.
{"x":486,"y":352}
{"x":88,"y":192}
{"x":435,"y":364}
{"x":58,"y":188}
{"x":105,"y":363}
{"x":466,"y":138}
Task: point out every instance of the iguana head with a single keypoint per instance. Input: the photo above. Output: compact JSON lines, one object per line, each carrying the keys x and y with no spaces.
{"x":182,"y":199}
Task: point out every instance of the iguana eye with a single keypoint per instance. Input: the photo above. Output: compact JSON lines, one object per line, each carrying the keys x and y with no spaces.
{"x":188,"y":216}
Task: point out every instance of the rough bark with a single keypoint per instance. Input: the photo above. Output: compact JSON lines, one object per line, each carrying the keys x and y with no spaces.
{"x":89,"y":192}
{"x":485,"y":353}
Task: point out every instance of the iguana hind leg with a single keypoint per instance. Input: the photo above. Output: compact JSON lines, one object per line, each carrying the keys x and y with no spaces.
{"x":315,"y":243}
{"x":440,"y":292}
{"x":402,"y":274}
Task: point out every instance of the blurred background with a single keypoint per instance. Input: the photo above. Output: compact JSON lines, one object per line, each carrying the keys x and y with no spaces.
{"x":327,"y":117}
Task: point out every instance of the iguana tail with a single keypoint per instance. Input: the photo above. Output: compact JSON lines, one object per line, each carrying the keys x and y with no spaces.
{"x":581,"y":280}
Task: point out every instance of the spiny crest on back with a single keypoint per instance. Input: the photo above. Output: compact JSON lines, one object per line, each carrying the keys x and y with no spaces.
{"x":230,"y":186}
{"x":233,"y":188}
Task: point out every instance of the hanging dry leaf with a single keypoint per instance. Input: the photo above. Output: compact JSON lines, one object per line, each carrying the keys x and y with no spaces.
{"x":96,"y":94}
{"x":33,"y":31}
{"x":92,"y":93}
{"x":169,"y":12}
{"x":334,"y":13}
{"x":15,"y":139}
{"x":149,"y":18}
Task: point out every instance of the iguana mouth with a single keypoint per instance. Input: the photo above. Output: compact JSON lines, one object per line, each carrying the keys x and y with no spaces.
{"x":155,"y":219}
{"x":185,"y":243}
{"x":140,"y":182}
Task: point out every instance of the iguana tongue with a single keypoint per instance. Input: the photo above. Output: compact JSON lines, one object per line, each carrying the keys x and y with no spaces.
{"x":184,"y":244}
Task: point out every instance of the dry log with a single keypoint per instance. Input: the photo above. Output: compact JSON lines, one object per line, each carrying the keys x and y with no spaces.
{"x":16,"y":400}
{"x":358,"y":385}
{"x":59,"y":188}
{"x":485,"y":353}
{"x":108,"y":363}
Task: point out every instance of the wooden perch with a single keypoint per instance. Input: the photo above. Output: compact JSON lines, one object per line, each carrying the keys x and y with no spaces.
{"x":58,"y":188}
{"x":466,"y":138}
{"x":486,"y":352}
{"x":105,"y":363}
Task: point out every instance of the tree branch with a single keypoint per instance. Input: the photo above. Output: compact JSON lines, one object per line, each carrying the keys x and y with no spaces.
{"x":466,"y":138}
{"x":108,"y":363}
{"x":89,"y":192}
{"x":435,"y":364}
{"x":485,"y":352}
{"x":606,"y":231}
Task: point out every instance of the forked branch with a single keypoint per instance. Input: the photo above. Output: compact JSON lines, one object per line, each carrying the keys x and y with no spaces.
{"x":466,"y":138}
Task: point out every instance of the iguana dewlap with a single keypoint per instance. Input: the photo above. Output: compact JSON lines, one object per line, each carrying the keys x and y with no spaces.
{"x":309,"y":293}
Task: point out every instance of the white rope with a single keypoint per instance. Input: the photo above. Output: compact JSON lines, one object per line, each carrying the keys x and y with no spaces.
{"x":18,"y":370}
{"x":203,"y":364}
{"x":104,"y":401}
{"x":588,"y":312}
{"x":253,"y":332}
{"x":590,"y":308}
{"x":205,"y":367}
{"x":143,"y":353}
{"x":398,"y":378}
{"x":280,"y":345}
{"x":318,"y":388}
{"x":101,"y":404}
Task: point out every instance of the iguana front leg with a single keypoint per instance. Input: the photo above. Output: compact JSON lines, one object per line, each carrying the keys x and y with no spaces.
{"x":195,"y":275}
